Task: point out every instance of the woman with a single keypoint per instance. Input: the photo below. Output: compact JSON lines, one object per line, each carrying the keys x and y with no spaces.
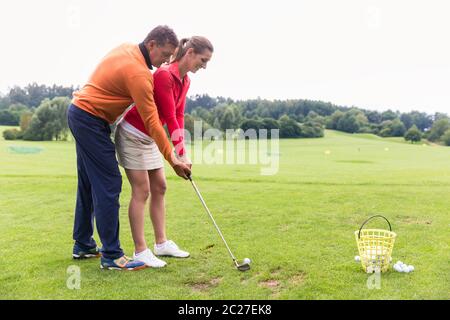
{"x":139,"y":155}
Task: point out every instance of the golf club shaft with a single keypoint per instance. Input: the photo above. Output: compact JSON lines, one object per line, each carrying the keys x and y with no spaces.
{"x":214,"y":222}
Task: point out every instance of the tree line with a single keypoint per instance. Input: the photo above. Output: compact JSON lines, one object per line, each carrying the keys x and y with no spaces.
{"x":40,"y":111}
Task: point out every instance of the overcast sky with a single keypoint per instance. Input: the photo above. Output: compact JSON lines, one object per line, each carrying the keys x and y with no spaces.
{"x":371,"y":54}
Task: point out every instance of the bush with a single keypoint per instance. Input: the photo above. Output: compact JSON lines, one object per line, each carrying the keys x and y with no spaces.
{"x":413,"y":134}
{"x":12,"y":134}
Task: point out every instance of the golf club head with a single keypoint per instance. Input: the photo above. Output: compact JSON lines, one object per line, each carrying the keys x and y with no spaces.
{"x":243,"y":267}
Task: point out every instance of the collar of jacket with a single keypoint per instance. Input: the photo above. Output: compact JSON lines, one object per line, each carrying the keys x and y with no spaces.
{"x":173,"y":68}
{"x":146,"y":55}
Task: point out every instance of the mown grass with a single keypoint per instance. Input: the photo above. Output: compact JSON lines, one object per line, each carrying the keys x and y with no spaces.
{"x":297,"y":225}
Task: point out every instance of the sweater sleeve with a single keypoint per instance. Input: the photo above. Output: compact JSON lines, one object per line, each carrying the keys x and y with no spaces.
{"x":167,"y":108}
{"x":141,"y":90}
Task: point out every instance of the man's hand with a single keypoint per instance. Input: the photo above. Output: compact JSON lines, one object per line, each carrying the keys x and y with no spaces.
{"x":181,"y":169}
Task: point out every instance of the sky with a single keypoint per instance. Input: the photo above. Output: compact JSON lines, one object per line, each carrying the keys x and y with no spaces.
{"x":376,"y":55}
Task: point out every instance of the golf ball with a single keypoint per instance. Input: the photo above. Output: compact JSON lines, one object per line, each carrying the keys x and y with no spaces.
{"x":398,"y":268}
{"x":247,"y":260}
{"x":405,"y":269}
{"x":357,"y":258}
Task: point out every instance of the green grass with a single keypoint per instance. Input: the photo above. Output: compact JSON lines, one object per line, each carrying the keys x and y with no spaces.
{"x":297,"y":226}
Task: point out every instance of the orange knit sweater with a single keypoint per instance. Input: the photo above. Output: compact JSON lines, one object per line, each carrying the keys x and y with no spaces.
{"x":120,"y":79}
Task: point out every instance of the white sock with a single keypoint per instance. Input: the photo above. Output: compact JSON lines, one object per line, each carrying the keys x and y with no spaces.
{"x":161,"y":245}
{"x":140,"y":253}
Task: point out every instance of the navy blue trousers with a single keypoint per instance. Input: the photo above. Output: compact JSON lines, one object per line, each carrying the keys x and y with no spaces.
{"x":99,"y":183}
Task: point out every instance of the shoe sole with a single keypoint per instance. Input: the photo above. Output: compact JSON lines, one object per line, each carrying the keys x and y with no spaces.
{"x":123,"y":269}
{"x":85,"y":256}
{"x":171,"y":256}
{"x":156,"y":267}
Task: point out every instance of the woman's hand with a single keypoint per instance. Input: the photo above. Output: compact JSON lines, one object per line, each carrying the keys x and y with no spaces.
{"x":180,"y":168}
{"x":185,"y":159}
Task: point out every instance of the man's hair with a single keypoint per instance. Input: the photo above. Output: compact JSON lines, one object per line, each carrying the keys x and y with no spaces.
{"x":162,"y":35}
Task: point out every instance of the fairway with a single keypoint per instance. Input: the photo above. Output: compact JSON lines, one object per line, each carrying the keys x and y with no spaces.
{"x":297,"y":225}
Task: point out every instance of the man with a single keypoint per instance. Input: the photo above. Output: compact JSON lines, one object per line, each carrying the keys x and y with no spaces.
{"x":123,"y":77}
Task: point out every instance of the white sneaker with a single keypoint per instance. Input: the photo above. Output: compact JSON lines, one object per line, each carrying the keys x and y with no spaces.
{"x":169,"y":248}
{"x":149,"y":259}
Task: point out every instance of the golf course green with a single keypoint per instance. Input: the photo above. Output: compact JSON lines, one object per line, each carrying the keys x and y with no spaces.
{"x":297,"y":226}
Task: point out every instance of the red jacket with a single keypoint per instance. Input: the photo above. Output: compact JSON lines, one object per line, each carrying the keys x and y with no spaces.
{"x":170,"y":96}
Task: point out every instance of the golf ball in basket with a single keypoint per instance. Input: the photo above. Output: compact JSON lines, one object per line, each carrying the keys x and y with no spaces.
{"x":247,"y":260}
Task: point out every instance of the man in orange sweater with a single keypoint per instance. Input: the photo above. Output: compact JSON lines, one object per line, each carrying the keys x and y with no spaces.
{"x":123,"y":77}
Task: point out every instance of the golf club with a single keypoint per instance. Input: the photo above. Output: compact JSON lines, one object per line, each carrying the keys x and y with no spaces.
{"x":245,"y":265}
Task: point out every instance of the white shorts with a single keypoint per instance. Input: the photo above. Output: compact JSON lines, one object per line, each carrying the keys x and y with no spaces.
{"x":136,"y":153}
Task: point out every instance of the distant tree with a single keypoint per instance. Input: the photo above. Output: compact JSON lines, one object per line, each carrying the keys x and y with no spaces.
{"x":348,"y":123}
{"x":446,"y":137}
{"x":203,"y":114}
{"x":311,"y":129}
{"x":392,"y":128}
{"x":270,"y":124}
{"x":204,"y":101}
{"x":413,"y":134}
{"x":289,"y":128}
{"x":374,"y":117}
{"x":251,"y":124}
{"x":4,"y":102}
{"x":11,"y":116}
{"x":388,"y":115}
{"x":19,"y":95}
{"x":421,"y":120}
{"x":397,"y":128}
{"x":25,"y":120}
{"x":8,"y":118}
{"x":49,"y":121}
{"x":438,"y":129}
{"x":226,"y":121}
{"x":407,"y":120}
{"x":33,"y":94}
{"x":189,"y":124}
{"x":216,"y":124}
{"x":439,"y":115}
{"x":333,"y":120}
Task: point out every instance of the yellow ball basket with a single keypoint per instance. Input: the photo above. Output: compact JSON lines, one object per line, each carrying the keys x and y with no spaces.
{"x":375,"y":247}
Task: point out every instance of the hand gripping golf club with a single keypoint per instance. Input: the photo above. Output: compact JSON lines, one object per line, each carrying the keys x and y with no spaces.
{"x":241,"y":267}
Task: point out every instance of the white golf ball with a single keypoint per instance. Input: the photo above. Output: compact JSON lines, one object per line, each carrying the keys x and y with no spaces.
{"x":247,"y":260}
{"x":411,"y":268}
{"x":357,"y":258}
{"x":398,"y":268}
